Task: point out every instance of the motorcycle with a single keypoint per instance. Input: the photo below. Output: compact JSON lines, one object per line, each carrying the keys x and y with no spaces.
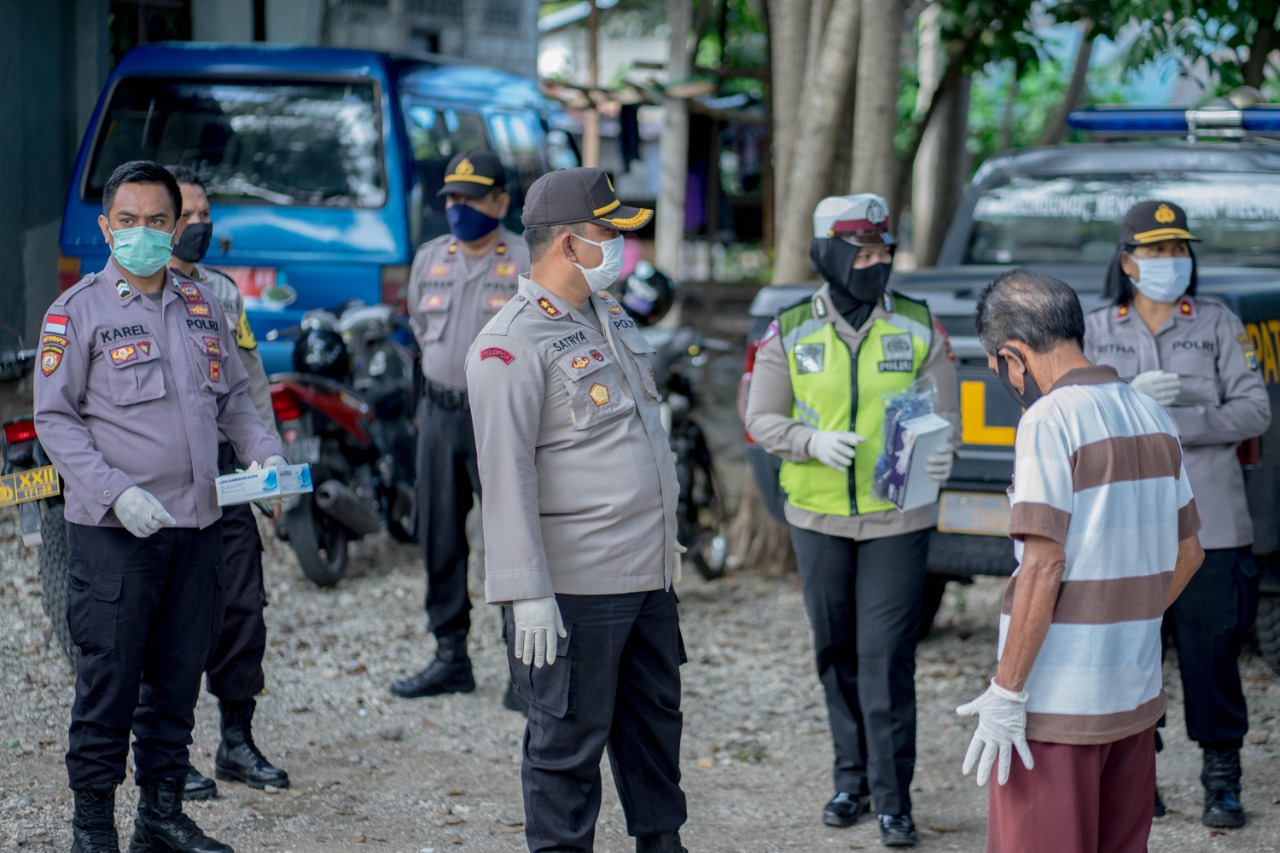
{"x":347,"y":410}
{"x":702,"y":522}
{"x":29,"y":482}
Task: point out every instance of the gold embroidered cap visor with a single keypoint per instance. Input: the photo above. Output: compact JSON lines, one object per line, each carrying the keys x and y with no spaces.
{"x":1153,"y":221}
{"x":568,"y":196}
{"x":473,"y":174}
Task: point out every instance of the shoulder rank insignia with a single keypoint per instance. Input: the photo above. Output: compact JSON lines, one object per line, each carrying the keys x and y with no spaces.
{"x":547,"y":308}
{"x":453,"y":247}
{"x":1186,"y":309}
{"x":500,"y":249}
{"x":1122,"y":311}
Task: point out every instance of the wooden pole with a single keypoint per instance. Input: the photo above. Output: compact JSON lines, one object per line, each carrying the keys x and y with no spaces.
{"x":591,"y":125}
{"x":674,"y":146}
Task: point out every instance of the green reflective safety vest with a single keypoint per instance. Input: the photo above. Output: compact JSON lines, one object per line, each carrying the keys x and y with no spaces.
{"x":827,"y":391}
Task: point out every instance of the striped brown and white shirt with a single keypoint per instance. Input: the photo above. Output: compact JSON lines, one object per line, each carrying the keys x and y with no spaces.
{"x":1098,"y":468}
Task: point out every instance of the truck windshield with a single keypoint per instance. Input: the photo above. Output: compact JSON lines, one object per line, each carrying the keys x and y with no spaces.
{"x":287,"y":143}
{"x":1076,"y":219}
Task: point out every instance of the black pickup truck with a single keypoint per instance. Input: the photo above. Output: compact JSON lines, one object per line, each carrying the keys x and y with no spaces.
{"x":1057,"y":210}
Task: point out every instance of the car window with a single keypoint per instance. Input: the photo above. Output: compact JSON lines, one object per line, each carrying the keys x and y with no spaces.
{"x":436,"y":134}
{"x":287,"y":143}
{"x":1076,"y":218}
{"x":518,"y":138}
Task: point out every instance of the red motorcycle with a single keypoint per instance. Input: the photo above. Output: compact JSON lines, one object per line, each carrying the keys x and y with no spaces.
{"x":347,"y":409}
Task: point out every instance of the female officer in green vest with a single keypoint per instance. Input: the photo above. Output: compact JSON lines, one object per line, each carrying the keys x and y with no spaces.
{"x":817,"y":401}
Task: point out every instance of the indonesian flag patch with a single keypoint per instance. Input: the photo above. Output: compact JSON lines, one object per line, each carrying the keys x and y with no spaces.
{"x":56,"y":324}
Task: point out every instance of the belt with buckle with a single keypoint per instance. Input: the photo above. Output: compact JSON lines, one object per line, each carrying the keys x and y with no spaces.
{"x":445,"y":398}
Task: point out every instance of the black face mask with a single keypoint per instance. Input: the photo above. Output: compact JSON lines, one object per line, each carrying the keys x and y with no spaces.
{"x":854,"y":292}
{"x":1030,"y":390}
{"x":194,"y":242}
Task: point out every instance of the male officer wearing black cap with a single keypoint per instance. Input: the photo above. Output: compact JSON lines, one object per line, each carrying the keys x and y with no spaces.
{"x":458,"y":283}
{"x":579,"y":512}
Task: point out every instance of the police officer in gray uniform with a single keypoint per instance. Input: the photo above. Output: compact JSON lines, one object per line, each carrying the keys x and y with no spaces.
{"x":458,"y":283}
{"x":579,"y":516}
{"x":234,"y":672}
{"x":1193,"y":356}
{"x":132,"y":391}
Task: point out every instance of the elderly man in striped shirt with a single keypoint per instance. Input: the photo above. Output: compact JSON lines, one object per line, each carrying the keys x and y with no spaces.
{"x":1105,"y":530}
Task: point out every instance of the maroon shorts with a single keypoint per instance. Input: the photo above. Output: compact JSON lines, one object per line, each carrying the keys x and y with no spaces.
{"x":1078,"y":799}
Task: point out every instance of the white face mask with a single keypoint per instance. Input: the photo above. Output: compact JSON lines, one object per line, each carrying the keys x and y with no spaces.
{"x":599,"y":278}
{"x":1163,"y":279}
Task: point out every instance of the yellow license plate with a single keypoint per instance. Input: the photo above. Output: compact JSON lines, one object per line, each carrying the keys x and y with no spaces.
{"x":977,"y":513}
{"x":24,"y":486}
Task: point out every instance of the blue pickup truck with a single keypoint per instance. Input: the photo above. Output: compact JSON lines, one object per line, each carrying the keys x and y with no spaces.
{"x":1057,"y":210}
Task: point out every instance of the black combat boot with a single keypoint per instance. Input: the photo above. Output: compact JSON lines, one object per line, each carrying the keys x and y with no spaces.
{"x":161,"y":827}
{"x":238,"y":756}
{"x":450,"y":672}
{"x":661,"y":842}
{"x":93,"y":826}
{"x":1221,"y":780}
{"x":198,"y":786}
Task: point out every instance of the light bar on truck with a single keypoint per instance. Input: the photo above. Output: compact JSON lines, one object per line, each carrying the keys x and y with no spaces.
{"x":1221,"y":122}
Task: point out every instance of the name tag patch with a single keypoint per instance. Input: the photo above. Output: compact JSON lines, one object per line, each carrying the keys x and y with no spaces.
{"x":810,"y":358}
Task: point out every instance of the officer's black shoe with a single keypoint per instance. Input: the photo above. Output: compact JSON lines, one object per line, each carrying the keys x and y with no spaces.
{"x":1221,"y":780}
{"x":450,"y":672}
{"x":161,"y":827}
{"x":513,"y":701}
{"x":93,"y":826}
{"x":198,"y":786}
{"x":1159,"y":810}
{"x":845,"y":809}
{"x":238,"y":756}
{"x":661,"y":842}
{"x":898,"y":830}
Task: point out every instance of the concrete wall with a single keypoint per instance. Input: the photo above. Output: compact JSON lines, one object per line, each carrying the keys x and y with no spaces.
{"x":53,"y":57}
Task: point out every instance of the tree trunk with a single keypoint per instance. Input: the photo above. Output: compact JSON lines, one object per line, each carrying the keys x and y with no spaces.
{"x":815,"y":129}
{"x":1056,"y":127}
{"x":1260,"y":47}
{"x":875,"y":114}
{"x":674,"y":146}
{"x":788,"y":41}
{"x":757,"y":541}
{"x":941,"y":165}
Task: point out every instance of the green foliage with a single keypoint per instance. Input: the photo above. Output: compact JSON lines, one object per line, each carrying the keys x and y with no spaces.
{"x":1209,"y":39}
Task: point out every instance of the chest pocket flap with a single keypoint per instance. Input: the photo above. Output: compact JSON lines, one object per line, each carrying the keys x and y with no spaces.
{"x":434,"y":308}
{"x":136,"y":375}
{"x":209,"y":361}
{"x":641,"y":352}
{"x":597,"y":391}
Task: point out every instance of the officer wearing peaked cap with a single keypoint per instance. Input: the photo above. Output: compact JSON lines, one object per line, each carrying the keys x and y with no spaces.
{"x":133,"y":389}
{"x":579,"y":516}
{"x":817,"y":400}
{"x":458,"y":283}
{"x":1193,"y":356}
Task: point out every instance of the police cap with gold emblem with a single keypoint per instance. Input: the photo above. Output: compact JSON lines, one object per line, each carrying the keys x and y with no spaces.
{"x":1153,"y":221}
{"x":474,"y":174}
{"x":568,"y":196}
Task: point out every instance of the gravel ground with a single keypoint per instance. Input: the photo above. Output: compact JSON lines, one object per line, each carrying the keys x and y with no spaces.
{"x":372,"y":772}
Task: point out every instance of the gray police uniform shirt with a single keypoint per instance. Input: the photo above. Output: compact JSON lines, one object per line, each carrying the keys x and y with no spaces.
{"x":451,"y":296}
{"x":228,"y":295}
{"x":133,"y":392}
{"x":579,"y":480}
{"x":769,"y":421}
{"x":1223,"y":400}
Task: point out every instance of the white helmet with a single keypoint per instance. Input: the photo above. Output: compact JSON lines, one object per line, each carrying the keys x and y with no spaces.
{"x":861,"y":219}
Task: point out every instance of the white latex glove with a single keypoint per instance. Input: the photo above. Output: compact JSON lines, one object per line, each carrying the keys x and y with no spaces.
{"x":677,"y":564}
{"x":1160,"y":385}
{"x":938,"y":465}
{"x":140,"y":512}
{"x":1002,"y":727}
{"x":275,"y":461}
{"x":834,"y":449}
{"x":538,"y":623}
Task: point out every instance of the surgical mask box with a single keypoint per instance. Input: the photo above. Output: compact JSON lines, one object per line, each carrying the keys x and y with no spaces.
{"x":248,"y":486}
{"x":908,"y":484}
{"x":295,"y":479}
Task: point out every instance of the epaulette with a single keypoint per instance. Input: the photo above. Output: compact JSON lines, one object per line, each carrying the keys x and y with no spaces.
{"x":75,"y":288}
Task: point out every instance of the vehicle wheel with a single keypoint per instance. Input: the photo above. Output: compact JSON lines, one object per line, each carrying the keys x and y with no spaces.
{"x":707,"y":527}
{"x":318,"y":541}
{"x":53,"y":578}
{"x":935,"y":587}
{"x":1268,"y":629}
